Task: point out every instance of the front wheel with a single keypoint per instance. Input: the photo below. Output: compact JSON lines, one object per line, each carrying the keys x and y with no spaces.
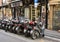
{"x":35,"y":34}
{"x":19,"y":31}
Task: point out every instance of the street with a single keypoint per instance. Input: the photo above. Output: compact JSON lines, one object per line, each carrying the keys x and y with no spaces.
{"x":11,"y":37}
{"x":52,"y":33}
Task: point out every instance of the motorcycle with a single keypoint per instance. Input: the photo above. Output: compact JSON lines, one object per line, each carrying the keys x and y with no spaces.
{"x":10,"y":25}
{"x":32,"y":30}
{"x":7,"y":25}
{"x":16,"y":22}
{"x":22,"y":25}
{"x":0,"y":24}
{"x":4,"y":23}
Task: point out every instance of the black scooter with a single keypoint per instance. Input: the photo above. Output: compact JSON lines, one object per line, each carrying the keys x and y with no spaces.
{"x":4,"y":21}
{"x":7,"y":25}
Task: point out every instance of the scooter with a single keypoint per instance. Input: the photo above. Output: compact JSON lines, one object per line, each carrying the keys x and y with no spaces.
{"x":10,"y":25}
{"x":4,"y":23}
{"x":7,"y":25}
{"x":32,"y":30}
{"x":15,"y":26}
{"x":0,"y":24}
{"x":21,"y":26}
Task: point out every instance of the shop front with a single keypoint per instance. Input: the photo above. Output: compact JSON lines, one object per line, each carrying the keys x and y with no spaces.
{"x":8,"y":13}
{"x":54,"y":16}
{"x":4,"y":12}
{"x":17,"y":9}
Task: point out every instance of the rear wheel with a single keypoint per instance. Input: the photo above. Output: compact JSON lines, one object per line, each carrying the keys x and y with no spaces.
{"x":35,"y":34}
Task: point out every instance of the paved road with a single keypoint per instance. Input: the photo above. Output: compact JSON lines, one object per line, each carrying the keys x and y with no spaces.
{"x":52,"y":33}
{"x":10,"y":37}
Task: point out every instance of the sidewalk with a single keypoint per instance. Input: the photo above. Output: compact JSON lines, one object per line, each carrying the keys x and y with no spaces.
{"x":52,"y":33}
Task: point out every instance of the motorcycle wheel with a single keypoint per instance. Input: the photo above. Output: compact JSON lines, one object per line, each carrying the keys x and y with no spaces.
{"x":6,"y":29}
{"x":26,"y":34}
{"x":18,"y":31}
{"x":35,"y":34}
{"x":9,"y":28}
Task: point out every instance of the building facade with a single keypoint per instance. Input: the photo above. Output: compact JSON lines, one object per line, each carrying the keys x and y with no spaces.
{"x":54,"y":15}
{"x":0,"y":9}
{"x":16,"y":8}
{"x":5,"y":10}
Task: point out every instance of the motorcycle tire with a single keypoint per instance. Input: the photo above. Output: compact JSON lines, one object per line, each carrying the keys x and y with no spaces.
{"x":18,"y":31}
{"x":6,"y":29}
{"x":35,"y":35}
{"x":9,"y":28}
{"x":26,"y":34}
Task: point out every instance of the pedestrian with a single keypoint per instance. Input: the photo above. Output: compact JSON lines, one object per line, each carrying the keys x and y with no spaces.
{"x":42,"y":26}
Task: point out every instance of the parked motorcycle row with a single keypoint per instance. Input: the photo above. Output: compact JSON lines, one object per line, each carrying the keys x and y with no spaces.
{"x":23,"y":26}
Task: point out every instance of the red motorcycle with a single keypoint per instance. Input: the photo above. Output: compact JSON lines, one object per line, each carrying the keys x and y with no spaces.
{"x":32,"y":30}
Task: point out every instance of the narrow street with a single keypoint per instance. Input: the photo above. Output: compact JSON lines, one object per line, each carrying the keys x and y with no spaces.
{"x":52,"y":33}
{"x":10,"y":37}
